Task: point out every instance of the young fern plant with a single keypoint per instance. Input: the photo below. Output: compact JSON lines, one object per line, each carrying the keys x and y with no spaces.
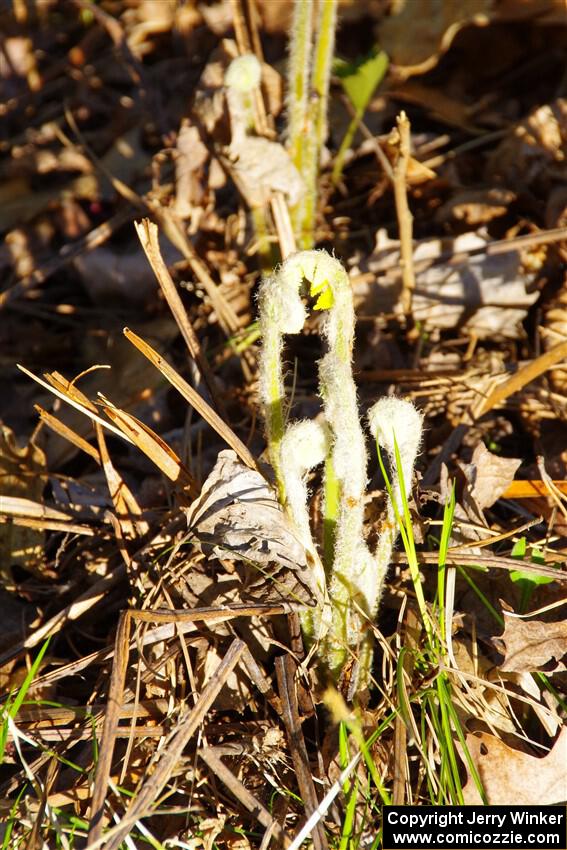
{"x":352,"y":577}
{"x":309,"y":74}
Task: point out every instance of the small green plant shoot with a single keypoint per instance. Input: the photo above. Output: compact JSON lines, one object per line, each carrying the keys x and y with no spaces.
{"x":350,"y":577}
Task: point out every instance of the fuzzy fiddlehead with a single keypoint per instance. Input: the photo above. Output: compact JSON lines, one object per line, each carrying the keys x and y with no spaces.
{"x":281,"y":312}
{"x":394,"y":423}
{"x":241,"y":79}
{"x":354,"y":576}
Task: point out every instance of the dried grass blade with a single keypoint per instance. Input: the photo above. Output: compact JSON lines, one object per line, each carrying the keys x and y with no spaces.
{"x":464,"y":559}
{"x":49,"y":525}
{"x":193,"y":397}
{"x":80,"y":407}
{"x":153,"y":447}
{"x":22,"y":507}
{"x":67,"y":433}
{"x":69,"y":388}
{"x":169,"y":755}
{"x":523,"y":376}
{"x":148,"y":235}
{"x":111,"y":719}
{"x":29,"y":514}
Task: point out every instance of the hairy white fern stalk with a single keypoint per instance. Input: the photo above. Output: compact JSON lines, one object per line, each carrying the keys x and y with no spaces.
{"x":315,"y":139}
{"x":304,"y":446}
{"x":355,"y":576}
{"x":299,"y":70}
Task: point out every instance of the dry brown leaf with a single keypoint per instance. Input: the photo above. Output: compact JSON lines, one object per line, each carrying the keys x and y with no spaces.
{"x":238,"y":516}
{"x":192,"y":156}
{"x":259,"y":168}
{"x":476,"y":206}
{"x":535,"y":150}
{"x":510,"y":777}
{"x":486,"y":294}
{"x":416,"y":41}
{"x":489,"y":475}
{"x":533,"y":645}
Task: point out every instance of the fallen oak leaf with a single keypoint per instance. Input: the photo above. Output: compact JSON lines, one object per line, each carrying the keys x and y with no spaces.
{"x":533,"y":645}
{"x":489,"y":475}
{"x":512,"y":777}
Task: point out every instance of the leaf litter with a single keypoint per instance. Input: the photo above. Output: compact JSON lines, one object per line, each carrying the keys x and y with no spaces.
{"x":117,"y":112}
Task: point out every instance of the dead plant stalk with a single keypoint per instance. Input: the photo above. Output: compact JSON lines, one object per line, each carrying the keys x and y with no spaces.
{"x":405,"y":218}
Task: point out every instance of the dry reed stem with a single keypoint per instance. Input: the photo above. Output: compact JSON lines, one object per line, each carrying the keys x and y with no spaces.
{"x":412,"y":630}
{"x":127,"y":510}
{"x":148,"y":235}
{"x":284,"y":227}
{"x":193,"y":397}
{"x":67,"y":433}
{"x":64,"y":395}
{"x":156,"y":449}
{"x":523,"y":376}
{"x":464,"y":559}
{"x":405,"y":218}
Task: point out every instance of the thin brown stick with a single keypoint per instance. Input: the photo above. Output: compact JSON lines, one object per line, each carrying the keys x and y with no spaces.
{"x":405,"y":218}
{"x":242,"y":794}
{"x":285,"y":672}
{"x":148,"y":235}
{"x":411,"y":642}
{"x":67,"y":433}
{"x":284,"y":228}
{"x":240,"y":28}
{"x":463,"y":559}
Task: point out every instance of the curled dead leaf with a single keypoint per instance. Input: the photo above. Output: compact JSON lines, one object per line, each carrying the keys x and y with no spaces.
{"x":238,"y":516}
